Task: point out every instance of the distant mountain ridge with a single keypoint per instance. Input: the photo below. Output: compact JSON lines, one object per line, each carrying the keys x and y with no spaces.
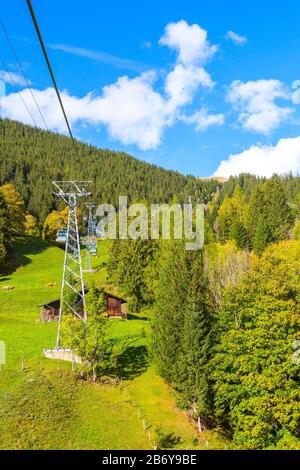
{"x":219,"y":179}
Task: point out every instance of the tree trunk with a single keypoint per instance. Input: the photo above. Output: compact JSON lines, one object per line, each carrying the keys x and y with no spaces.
{"x":200,"y":429}
{"x":94,"y":374}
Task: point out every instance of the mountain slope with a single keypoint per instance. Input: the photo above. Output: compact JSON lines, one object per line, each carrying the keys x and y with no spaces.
{"x":32,"y":158}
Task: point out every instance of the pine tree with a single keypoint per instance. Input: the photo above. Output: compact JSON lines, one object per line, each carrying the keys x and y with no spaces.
{"x":127,"y":265}
{"x":169,"y":315}
{"x":261,"y":237}
{"x":198,"y":337}
{"x":5,"y":237}
{"x":239,"y":234}
{"x":182,"y":327}
{"x":270,"y":216}
{"x":296,"y":231}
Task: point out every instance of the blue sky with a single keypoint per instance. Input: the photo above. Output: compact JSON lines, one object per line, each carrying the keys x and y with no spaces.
{"x":184,"y":85}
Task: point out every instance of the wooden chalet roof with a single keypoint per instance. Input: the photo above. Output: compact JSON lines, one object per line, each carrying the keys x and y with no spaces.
{"x":51,"y":303}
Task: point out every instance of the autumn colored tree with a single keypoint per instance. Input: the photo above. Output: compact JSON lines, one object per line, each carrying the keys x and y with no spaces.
{"x":257,"y":384}
{"x":224,"y":266}
{"x":58,"y":221}
{"x":15,"y":207}
{"x":31,"y":226}
{"x":233,"y":216}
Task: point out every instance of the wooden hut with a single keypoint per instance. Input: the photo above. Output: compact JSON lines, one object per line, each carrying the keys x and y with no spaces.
{"x":114,"y":308}
{"x":114,"y":305}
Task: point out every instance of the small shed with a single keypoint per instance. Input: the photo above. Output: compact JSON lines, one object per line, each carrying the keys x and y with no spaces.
{"x":114,"y":305}
{"x":114,"y":308}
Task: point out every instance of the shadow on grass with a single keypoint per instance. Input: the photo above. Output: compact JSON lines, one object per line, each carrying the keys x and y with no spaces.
{"x":131,"y":363}
{"x":165,"y":440}
{"x":131,"y":316}
{"x":19,"y":256}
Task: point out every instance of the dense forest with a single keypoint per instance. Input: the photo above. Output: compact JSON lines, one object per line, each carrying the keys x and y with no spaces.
{"x":31,"y":159}
{"x":225,"y":319}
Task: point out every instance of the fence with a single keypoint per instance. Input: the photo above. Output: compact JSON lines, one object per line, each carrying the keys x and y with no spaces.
{"x":27,"y":365}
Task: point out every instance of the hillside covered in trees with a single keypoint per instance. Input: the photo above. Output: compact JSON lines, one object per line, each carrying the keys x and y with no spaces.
{"x":225,"y":320}
{"x":31,"y":159}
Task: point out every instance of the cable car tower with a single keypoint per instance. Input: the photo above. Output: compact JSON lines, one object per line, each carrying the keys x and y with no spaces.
{"x":90,"y":239}
{"x":72,"y":281}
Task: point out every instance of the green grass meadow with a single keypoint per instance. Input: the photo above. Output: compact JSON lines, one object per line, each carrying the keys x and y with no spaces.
{"x":43,"y":405}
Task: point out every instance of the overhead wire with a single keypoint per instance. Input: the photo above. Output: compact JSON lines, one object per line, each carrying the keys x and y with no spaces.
{"x":17,"y":90}
{"x":22,"y":71}
{"x":50,"y":69}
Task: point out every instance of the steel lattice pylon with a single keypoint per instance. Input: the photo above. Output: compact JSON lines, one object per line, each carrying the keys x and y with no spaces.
{"x":72,"y":281}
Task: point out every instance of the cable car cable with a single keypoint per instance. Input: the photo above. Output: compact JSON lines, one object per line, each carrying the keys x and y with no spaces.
{"x":50,"y":68}
{"x":22,"y":70}
{"x":18,"y":91}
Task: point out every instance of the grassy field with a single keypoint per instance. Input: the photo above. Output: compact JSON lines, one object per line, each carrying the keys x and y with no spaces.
{"x":45,"y":406}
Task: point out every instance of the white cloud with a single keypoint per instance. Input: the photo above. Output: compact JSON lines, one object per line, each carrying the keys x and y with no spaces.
{"x":264,"y":160}
{"x":188,"y":74}
{"x":190,"y":42}
{"x":13,"y":78}
{"x":296,"y":94}
{"x":236,"y":38}
{"x":12,"y":107}
{"x":146,"y":45}
{"x":131,"y":109}
{"x":182,"y":82}
{"x":255,"y":101}
{"x":202,"y":119}
{"x":100,"y":57}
